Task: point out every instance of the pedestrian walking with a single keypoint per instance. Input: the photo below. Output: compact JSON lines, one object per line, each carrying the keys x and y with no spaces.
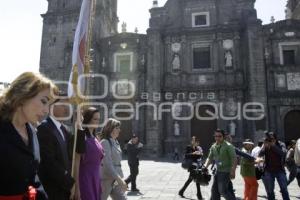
{"x":222,"y":153}
{"x":194,"y":153}
{"x":176,"y":154}
{"x":134,"y":148}
{"x":112,"y":182}
{"x":90,"y":156}
{"x":274,"y":152}
{"x":248,"y":173}
{"x":54,"y":138}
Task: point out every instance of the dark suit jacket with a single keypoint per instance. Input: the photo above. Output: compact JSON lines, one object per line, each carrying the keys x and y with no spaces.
{"x":192,"y":157}
{"x":55,"y":163}
{"x":133,"y":153}
{"x":18,"y":166}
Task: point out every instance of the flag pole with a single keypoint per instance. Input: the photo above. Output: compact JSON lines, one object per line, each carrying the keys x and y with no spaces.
{"x":86,"y":71}
{"x":87,"y":60}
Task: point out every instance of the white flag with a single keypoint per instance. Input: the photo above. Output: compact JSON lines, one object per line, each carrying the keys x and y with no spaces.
{"x":79,"y":49}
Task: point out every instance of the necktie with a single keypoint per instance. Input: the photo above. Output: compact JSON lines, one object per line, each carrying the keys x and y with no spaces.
{"x":65,"y":132}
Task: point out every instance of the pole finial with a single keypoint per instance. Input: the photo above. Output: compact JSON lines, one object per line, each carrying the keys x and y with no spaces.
{"x":272,"y":19}
{"x":154,"y":3}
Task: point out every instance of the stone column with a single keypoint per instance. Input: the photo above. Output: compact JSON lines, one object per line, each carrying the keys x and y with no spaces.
{"x":256,"y":69}
{"x":154,"y":132}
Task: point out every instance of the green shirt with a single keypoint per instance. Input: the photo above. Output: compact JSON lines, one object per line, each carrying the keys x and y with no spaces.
{"x":247,"y":167}
{"x":224,"y":156}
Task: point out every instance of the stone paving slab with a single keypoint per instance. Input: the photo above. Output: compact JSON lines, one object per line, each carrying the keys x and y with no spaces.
{"x":162,"y":181}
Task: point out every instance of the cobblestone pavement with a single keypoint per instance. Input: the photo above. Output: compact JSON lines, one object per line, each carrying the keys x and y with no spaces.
{"x":161,"y":180}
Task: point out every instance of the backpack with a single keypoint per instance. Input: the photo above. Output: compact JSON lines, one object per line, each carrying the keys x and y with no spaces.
{"x":297,"y":153}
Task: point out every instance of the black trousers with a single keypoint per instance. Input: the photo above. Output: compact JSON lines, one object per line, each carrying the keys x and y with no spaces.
{"x":294,"y":173}
{"x":134,"y":171}
{"x":186,"y":184}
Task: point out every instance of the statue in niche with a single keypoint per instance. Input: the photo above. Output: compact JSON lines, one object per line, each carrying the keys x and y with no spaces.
{"x":176,"y":62}
{"x":124,"y":27}
{"x":228,"y":59}
{"x":176,"y":129}
{"x":232,"y":128}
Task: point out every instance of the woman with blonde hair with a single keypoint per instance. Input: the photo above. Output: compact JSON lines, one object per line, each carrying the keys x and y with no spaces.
{"x":23,"y":105}
{"x":112,"y":182}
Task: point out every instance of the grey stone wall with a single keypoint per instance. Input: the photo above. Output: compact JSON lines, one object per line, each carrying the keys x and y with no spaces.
{"x":252,"y":77}
{"x":59,"y":24}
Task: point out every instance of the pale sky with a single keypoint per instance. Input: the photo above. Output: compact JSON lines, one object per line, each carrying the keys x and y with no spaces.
{"x":21,"y":28}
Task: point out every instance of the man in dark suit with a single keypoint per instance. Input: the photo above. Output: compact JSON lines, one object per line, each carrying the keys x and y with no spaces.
{"x":55,"y":168}
{"x":133,"y":149}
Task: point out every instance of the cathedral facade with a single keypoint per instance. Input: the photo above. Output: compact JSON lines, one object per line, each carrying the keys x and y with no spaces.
{"x":202,"y":65}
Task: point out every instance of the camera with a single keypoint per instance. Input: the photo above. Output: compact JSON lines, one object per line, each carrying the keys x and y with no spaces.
{"x":201,"y":176}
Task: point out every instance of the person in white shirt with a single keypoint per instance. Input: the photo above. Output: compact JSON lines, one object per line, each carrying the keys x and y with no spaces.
{"x":256,"y":150}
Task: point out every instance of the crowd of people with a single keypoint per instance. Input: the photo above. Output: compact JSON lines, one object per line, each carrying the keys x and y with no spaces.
{"x":41,"y":160}
{"x":266,"y":161}
{"x":37,"y":147}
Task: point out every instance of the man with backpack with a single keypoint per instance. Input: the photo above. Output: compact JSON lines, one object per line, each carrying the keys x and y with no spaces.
{"x":274,"y":152}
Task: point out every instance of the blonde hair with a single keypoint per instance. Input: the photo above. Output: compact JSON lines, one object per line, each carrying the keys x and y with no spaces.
{"x":109,"y":127}
{"x":23,"y":88}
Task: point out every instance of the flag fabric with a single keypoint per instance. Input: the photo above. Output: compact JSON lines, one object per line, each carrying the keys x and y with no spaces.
{"x":79,"y":66}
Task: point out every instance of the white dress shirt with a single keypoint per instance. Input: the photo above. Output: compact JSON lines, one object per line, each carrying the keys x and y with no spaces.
{"x":58,"y":125}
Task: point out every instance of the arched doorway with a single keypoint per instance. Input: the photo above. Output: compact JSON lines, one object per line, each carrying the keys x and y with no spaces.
{"x":204,"y":129}
{"x":126,"y":129}
{"x":292,"y":125}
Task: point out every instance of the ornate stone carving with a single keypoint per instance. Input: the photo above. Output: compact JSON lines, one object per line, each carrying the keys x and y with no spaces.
{"x":280,"y":80}
{"x":122,"y":87}
{"x":227,"y":44}
{"x":177,"y":109}
{"x":176,"y":46}
{"x":202,"y":79}
{"x":293,"y":81}
{"x":231,"y":107}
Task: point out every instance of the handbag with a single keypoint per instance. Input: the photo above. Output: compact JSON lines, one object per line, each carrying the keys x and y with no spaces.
{"x":259,"y":172}
{"x":186,"y":163}
{"x":201,"y":176}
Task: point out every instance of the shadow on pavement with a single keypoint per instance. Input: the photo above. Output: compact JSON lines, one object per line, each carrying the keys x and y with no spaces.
{"x":262,"y":196}
{"x":130,"y":193}
{"x":295,"y":197}
{"x":187,"y":198}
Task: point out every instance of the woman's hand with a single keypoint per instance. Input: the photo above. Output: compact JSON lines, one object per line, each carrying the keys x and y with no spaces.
{"x":78,"y":117}
{"x":122,"y":184}
{"x":75,"y":193}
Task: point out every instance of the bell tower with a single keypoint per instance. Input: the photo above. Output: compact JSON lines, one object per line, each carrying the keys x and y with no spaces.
{"x":59,"y":24}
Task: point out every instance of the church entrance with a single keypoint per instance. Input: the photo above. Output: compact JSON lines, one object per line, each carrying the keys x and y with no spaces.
{"x":204,"y":129}
{"x":126,"y":129}
{"x":292,"y":125}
